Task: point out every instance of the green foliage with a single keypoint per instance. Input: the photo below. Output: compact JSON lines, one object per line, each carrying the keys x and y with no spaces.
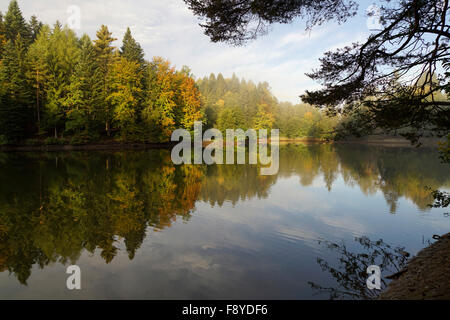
{"x":378,"y":74}
{"x":35,"y":27}
{"x":104,"y":58}
{"x":55,"y":84}
{"x":15,"y":24}
{"x":131,"y":50}
{"x":2,"y":35}
{"x":33,"y":142}
{"x":230,"y":118}
{"x":15,"y":111}
{"x":53,"y":141}
{"x":3,"y":140}
{"x":172,"y":101}
{"x":84,"y":94}
{"x":80,"y":139}
{"x":124,"y":80}
{"x":233,"y":103}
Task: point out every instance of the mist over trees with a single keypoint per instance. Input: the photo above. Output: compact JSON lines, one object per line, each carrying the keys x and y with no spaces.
{"x":237,"y":103}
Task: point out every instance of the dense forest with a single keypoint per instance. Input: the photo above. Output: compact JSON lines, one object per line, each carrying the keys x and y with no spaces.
{"x":54,"y":85}
{"x":56,"y":88}
{"x":236,"y":103}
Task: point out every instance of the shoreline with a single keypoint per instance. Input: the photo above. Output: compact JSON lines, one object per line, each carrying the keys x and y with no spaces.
{"x":425,"y":275}
{"x":87,"y":147}
{"x":114,"y":145}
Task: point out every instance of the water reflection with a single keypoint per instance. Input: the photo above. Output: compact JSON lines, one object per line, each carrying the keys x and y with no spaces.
{"x":53,"y":206}
{"x":351,"y":272}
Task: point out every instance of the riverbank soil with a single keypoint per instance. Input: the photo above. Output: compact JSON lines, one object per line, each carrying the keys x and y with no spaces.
{"x":427,"y":275}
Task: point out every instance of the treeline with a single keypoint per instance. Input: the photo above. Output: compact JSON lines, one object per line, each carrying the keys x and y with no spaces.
{"x":359,"y":119}
{"x":56,"y":88}
{"x":237,"y":103}
{"x":54,"y":84}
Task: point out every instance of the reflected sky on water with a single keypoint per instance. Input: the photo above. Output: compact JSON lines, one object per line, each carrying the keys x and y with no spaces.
{"x":141,"y":227}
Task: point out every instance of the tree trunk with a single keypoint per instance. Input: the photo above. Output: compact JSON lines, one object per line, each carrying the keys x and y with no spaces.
{"x":37,"y":101}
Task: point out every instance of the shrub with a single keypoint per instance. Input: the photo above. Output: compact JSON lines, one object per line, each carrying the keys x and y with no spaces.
{"x":3,"y":140}
{"x":52,"y":141}
{"x":79,"y":140}
{"x":32,"y":142}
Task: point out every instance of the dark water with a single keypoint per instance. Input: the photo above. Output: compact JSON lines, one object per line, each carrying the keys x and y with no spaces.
{"x":140,"y":227}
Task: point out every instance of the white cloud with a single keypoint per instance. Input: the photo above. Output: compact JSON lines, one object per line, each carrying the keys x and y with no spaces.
{"x":301,"y":37}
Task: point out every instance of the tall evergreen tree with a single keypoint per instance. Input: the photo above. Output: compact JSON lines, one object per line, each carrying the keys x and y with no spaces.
{"x":2,"y":35}
{"x":38,"y":73}
{"x":15,"y":110}
{"x":131,"y":49}
{"x":35,"y":27}
{"x":104,"y":58}
{"x":15,"y":24}
{"x":78,"y":87}
{"x":62,"y":58}
{"x":84,"y":93}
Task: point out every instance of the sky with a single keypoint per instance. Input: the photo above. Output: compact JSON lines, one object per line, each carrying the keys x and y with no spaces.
{"x":167,"y":28}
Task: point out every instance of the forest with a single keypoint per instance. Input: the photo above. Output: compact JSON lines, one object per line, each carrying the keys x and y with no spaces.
{"x":55,"y":85}
{"x":237,"y":103}
{"x":57,"y":88}
{"x":139,"y":224}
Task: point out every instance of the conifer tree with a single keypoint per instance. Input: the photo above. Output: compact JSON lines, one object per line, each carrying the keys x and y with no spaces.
{"x":38,"y":72}
{"x":2,"y":35}
{"x":35,"y":27}
{"x":16,"y":24}
{"x":15,"y":111}
{"x":104,"y":58}
{"x":84,"y":92}
{"x":131,"y":49}
{"x":63,"y":56}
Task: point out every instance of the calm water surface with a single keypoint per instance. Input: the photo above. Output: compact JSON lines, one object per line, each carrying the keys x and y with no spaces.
{"x":140,"y":227}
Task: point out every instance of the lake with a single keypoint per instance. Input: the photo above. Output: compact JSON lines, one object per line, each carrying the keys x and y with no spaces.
{"x":140,"y":227}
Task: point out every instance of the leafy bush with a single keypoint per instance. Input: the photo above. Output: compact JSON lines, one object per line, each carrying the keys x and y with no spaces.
{"x":79,"y":140}
{"x":53,"y":141}
{"x":32,"y":142}
{"x":3,"y":140}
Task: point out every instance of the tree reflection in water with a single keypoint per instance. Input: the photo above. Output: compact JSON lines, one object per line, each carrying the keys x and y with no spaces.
{"x":351,"y":272}
{"x":55,"y":205}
